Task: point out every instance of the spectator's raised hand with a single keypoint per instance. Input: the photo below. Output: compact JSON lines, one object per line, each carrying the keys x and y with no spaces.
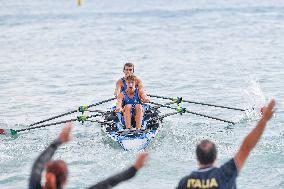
{"x":65,"y":134}
{"x":141,"y":160}
{"x":269,"y":110}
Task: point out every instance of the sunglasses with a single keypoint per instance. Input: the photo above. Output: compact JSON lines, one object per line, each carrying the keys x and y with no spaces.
{"x":130,"y":69}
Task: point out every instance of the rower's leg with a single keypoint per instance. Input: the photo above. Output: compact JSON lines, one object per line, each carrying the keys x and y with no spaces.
{"x":127,"y":115}
{"x":138,"y":115}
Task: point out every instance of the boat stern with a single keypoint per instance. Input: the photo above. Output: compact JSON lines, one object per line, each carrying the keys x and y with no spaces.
{"x":135,"y":144}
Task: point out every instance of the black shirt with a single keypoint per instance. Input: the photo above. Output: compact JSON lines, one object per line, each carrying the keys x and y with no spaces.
{"x":212,"y":177}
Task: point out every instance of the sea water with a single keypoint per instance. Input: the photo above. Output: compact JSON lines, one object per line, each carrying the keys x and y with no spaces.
{"x":56,"y":56}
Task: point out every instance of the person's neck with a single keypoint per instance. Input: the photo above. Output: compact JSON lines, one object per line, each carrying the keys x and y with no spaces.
{"x":202,"y":166}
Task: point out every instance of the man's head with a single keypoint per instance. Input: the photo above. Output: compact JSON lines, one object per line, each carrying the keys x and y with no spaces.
{"x":130,"y":81}
{"x":56,"y":174}
{"x":206,"y":152}
{"x":128,"y":69}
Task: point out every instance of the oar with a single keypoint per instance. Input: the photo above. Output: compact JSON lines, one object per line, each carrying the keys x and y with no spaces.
{"x":184,"y":110}
{"x":193,"y":102}
{"x":80,"y":109}
{"x":158,"y":106}
{"x":13,"y":132}
{"x":160,"y":118}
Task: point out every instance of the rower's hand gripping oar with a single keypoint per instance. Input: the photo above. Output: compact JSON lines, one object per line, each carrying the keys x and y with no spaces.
{"x":180,"y":99}
{"x":184,"y":110}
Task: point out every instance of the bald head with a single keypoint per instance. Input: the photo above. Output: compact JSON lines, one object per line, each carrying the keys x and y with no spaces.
{"x":206,"y":152}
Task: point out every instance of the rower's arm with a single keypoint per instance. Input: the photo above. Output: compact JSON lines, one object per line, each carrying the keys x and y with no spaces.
{"x":120,"y":98}
{"x":140,"y":85}
{"x":118,"y":88}
{"x":142,"y":94}
{"x":253,"y":137}
{"x":144,"y":97}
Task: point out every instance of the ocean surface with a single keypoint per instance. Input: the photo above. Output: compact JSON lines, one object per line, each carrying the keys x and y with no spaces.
{"x":56,"y":56}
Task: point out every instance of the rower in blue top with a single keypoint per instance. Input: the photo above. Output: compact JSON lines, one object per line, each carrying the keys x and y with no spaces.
{"x":128,"y":69}
{"x":129,"y":102}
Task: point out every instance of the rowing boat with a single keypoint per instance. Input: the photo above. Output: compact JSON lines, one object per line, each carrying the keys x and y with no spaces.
{"x":133,"y":139}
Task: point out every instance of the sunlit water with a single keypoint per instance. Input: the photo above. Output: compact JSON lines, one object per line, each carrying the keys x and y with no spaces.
{"x":56,"y":56}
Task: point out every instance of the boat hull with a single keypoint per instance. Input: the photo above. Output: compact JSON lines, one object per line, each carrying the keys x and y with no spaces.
{"x":133,"y":139}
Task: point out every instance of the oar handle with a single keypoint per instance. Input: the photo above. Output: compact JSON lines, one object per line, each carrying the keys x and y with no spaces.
{"x":102,"y":122}
{"x":166,"y":115}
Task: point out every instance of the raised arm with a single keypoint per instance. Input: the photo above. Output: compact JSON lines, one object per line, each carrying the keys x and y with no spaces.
{"x":39,"y":164}
{"x":124,"y":175}
{"x":45,"y":156}
{"x":253,"y":137}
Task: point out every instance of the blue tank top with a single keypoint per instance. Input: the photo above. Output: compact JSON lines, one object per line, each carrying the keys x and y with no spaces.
{"x":134,"y":100}
{"x":124,"y":85}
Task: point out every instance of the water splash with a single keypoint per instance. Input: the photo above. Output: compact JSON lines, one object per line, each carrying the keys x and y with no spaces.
{"x":255,"y":95}
{"x":255,"y":100}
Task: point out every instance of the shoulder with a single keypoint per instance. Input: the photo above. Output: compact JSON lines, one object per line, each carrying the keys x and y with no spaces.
{"x":229,"y":169}
{"x":183,"y":182}
{"x":119,"y":82}
{"x":138,"y":80}
{"x":230,"y":164}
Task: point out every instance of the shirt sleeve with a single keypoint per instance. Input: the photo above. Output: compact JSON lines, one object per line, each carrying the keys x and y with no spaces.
{"x":116,"y":179}
{"x":182,"y":183}
{"x":229,"y":170}
{"x":38,"y":166}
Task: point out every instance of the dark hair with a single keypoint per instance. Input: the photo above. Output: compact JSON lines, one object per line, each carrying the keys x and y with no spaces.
{"x":128,"y":64}
{"x":130,"y":78}
{"x":206,"y":154}
{"x":59,"y":169}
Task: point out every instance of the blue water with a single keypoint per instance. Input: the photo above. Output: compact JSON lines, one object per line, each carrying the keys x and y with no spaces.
{"x":56,"y":56}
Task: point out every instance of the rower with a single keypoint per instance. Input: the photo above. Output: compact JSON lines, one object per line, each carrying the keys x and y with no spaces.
{"x":131,"y":99}
{"x":121,"y":85}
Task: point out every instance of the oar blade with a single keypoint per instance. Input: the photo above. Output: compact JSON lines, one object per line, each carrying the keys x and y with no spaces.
{"x":8,"y":132}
